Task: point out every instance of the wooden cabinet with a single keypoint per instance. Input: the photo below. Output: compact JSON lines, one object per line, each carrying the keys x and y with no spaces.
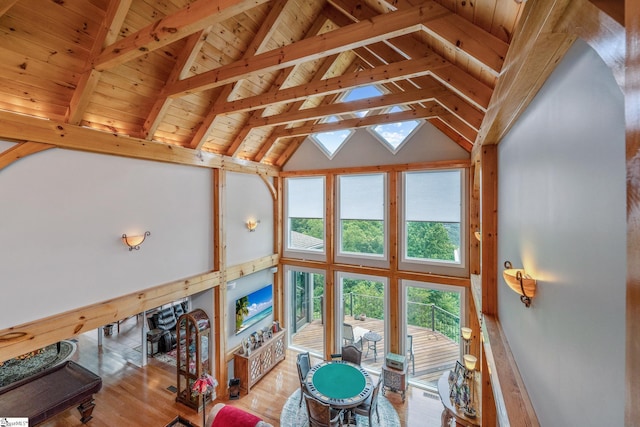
{"x":192,"y":355}
{"x":250,"y":368}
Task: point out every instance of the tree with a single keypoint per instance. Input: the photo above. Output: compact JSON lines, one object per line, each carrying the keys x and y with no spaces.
{"x":313,"y":227}
{"x":242,"y":310}
{"x":429,"y":240}
{"x":361,"y":236}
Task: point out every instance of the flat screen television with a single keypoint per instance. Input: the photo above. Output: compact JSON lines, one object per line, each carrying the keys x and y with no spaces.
{"x":252,"y":308}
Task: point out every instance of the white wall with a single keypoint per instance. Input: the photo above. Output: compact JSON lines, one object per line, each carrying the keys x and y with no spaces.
{"x":62,"y":214}
{"x":363,"y":149}
{"x":562,"y":217}
{"x":248,"y":197}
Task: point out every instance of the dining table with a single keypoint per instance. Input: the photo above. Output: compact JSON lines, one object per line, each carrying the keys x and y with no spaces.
{"x":343,"y":385}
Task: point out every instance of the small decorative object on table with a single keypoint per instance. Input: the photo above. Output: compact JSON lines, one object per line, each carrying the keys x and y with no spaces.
{"x":203,"y":385}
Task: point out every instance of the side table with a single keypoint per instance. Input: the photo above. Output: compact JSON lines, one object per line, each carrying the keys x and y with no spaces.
{"x":153,"y":341}
{"x":394,"y":379}
{"x":372,"y":337}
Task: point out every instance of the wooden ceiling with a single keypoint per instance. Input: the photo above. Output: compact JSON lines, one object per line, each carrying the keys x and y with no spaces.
{"x":250,"y":79}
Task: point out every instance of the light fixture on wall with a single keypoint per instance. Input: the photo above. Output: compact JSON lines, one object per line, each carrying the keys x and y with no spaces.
{"x":520,"y":282}
{"x":252,"y":224}
{"x":134,"y":242}
{"x":466,"y":336}
{"x":478,"y":235}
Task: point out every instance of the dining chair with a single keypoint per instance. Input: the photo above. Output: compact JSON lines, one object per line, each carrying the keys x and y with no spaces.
{"x":410,"y":354}
{"x":370,"y":405}
{"x":351,"y":353}
{"x":322,"y":414}
{"x":303,"y":362}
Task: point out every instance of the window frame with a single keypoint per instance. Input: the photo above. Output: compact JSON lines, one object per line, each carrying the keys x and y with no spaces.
{"x":291,"y":252}
{"x":450,"y":268}
{"x":370,"y":260}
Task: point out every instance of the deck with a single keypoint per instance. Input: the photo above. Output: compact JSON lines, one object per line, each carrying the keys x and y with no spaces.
{"x":434,"y":353}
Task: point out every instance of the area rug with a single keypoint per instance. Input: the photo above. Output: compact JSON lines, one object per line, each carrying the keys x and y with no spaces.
{"x":31,"y":363}
{"x":294,"y":415}
{"x":168,"y":358}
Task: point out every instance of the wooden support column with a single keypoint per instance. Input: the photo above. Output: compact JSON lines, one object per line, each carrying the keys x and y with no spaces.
{"x":489,"y":254}
{"x":278,"y":278}
{"x":220,"y":292}
{"x":329,"y":279}
{"x":395,"y":342}
{"x":632,"y":115}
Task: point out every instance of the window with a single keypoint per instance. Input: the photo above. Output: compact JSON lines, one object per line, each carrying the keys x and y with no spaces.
{"x":394,"y":135}
{"x":362,"y":92}
{"x":361,"y":312}
{"x":432,"y":323}
{"x":306,"y":309}
{"x":305,"y":215}
{"x":433,"y":217}
{"x":361,"y":213}
{"x":331,"y":142}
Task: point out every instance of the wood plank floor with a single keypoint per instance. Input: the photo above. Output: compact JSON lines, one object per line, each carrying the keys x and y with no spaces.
{"x":139,"y":396}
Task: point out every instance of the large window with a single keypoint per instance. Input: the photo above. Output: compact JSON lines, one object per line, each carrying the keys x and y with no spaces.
{"x":361,"y":316}
{"x":305,"y":215}
{"x":433,"y":217}
{"x":362,"y":213}
{"x":432,"y":323}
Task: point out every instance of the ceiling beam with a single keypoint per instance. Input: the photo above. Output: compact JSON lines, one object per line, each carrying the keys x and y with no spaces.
{"x":194,"y":17}
{"x":346,"y":38}
{"x":20,"y":127}
{"x":345,"y":82}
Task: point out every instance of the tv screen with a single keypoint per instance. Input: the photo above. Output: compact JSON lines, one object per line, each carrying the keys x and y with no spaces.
{"x":252,"y":308}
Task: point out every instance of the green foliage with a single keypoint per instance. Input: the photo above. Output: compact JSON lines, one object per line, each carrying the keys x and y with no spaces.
{"x":430,"y":240}
{"x":242,"y":309}
{"x":313,"y":227}
{"x":363,"y":236}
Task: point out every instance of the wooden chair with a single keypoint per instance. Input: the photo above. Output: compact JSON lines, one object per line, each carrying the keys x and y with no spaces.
{"x":303,"y":363}
{"x":410,"y":354}
{"x":321,"y":414}
{"x":370,"y":405}
{"x":351,"y":353}
{"x":349,"y":338}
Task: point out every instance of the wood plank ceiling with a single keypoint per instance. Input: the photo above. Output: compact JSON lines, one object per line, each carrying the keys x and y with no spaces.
{"x":250,"y":79}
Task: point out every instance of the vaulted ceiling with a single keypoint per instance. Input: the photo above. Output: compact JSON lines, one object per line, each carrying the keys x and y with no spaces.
{"x":249,"y":79}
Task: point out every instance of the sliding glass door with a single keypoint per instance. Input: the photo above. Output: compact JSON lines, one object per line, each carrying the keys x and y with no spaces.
{"x":305,"y":309}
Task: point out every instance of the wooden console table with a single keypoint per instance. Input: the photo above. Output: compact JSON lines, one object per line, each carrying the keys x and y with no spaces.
{"x":251,"y":368}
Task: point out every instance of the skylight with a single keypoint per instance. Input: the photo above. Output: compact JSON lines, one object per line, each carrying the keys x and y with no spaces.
{"x":362,"y":92}
{"x":393,"y":135}
{"x":330,"y":142}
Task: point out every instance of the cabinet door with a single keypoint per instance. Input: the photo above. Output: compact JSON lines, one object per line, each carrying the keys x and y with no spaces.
{"x":255,"y":369}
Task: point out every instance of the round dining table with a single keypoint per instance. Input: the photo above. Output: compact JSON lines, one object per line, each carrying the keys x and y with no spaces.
{"x":341,"y":384}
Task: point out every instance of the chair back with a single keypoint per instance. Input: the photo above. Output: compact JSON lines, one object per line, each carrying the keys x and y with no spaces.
{"x":374,"y":396}
{"x":319,"y":413}
{"x":304,"y":364}
{"x":351,"y":353}
{"x":347,"y":332}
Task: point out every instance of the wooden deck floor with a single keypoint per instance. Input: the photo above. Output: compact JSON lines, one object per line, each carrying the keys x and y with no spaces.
{"x":434,"y":353}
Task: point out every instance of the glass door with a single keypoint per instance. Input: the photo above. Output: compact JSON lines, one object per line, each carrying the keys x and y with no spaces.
{"x":305,"y":308}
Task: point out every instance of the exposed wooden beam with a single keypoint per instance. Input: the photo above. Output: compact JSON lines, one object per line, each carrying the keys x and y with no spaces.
{"x":194,"y":17}
{"x":5,"y":5}
{"x":19,"y":127}
{"x":21,"y":150}
{"x":258,"y":43}
{"x":323,"y":45}
{"x":383,"y":74}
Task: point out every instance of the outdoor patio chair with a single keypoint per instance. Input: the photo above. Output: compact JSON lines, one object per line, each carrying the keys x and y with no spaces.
{"x":349,"y":338}
{"x":410,"y":354}
{"x":351,"y":353}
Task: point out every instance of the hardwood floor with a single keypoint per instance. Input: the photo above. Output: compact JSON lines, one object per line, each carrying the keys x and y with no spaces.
{"x":139,"y":396}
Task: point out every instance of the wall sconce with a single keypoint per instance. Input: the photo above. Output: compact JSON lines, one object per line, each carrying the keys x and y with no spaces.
{"x":134,"y":242}
{"x":252,"y":224}
{"x":466,"y":336}
{"x":478,"y":235}
{"x":520,"y":282}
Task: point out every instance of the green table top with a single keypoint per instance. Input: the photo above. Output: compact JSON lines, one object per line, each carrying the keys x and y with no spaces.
{"x":339,"y":383}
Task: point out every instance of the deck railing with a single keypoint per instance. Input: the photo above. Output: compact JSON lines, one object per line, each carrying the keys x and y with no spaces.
{"x":418,"y":314}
